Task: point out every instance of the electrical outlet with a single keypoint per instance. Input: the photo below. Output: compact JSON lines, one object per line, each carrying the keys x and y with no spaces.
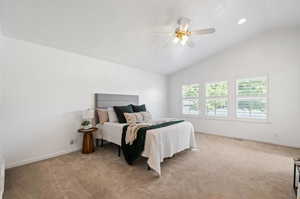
{"x":72,"y":142}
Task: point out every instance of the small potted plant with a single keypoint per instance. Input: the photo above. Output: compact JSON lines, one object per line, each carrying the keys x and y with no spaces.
{"x":86,"y":124}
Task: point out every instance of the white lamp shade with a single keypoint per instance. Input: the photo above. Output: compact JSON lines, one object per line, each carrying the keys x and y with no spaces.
{"x":88,"y":114}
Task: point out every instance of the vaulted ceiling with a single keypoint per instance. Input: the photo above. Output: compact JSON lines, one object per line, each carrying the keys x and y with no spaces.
{"x":126,"y":31}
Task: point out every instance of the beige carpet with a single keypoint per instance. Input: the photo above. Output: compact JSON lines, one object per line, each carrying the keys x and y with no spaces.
{"x":221,"y":168}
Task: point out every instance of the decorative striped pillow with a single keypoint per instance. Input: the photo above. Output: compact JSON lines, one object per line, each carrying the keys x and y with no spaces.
{"x":103,"y":115}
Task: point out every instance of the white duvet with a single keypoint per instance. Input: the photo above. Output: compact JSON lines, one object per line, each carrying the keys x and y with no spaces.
{"x":160,"y":143}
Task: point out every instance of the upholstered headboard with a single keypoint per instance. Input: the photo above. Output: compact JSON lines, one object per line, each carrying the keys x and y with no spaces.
{"x":108,"y":100}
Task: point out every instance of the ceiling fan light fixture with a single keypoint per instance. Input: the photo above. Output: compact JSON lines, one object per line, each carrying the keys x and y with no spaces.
{"x":184,"y":40}
{"x":183,"y":32}
{"x":242,"y":21}
{"x":176,"y":40}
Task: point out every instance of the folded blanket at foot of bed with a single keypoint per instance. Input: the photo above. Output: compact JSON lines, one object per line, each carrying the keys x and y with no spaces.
{"x":133,"y":151}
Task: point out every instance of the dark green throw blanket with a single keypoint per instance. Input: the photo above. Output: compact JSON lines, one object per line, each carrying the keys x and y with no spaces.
{"x":133,"y":152}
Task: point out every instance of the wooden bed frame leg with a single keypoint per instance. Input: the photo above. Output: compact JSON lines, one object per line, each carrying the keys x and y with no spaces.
{"x":119,"y":151}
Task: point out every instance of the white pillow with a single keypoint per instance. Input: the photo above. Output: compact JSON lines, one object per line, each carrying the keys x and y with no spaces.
{"x":147,"y":117}
{"x":112,"y":116}
{"x":139,"y":117}
{"x":130,"y":118}
{"x":133,"y":117}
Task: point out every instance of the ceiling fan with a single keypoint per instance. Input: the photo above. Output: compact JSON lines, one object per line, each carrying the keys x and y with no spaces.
{"x":183,"y":32}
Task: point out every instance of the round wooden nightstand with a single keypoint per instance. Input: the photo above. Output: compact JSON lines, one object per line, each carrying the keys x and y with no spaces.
{"x":88,"y":140}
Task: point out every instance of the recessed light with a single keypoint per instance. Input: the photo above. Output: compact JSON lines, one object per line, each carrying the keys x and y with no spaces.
{"x":242,"y":21}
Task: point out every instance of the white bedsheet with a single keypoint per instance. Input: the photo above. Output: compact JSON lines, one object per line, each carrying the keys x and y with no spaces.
{"x":110,"y":131}
{"x":160,"y":143}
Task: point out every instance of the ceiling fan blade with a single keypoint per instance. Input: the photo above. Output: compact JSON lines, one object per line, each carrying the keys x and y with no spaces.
{"x":190,"y":44}
{"x":203,"y":31}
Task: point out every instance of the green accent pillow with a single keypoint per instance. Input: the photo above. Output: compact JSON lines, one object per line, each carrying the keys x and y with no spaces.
{"x":139,"y":108}
{"x":120,"y":110}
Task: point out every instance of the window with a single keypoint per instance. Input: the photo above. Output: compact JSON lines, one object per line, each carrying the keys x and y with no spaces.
{"x":190,"y":99}
{"x":251,"y":97}
{"x":217,"y":99}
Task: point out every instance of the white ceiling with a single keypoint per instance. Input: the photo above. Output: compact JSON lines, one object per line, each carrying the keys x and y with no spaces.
{"x":124,"y":31}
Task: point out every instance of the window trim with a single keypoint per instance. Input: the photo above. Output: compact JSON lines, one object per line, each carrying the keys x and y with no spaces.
{"x":232,"y":100}
{"x":266,"y":96}
{"x":214,"y":98}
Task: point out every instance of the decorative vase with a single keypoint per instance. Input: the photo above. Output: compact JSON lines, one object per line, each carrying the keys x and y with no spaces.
{"x":87,"y":126}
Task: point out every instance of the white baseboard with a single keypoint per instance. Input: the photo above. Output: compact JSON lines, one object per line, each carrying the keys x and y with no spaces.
{"x":249,"y":139}
{"x":39,"y":158}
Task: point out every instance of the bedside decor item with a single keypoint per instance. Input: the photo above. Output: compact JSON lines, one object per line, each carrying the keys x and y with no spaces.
{"x":86,"y":124}
{"x":87,"y":118}
{"x":88,"y":140}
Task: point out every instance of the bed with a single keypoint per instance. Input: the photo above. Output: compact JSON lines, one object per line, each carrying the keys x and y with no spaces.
{"x":160,"y":143}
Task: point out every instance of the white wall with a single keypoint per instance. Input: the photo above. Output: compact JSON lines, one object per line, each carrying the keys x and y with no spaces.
{"x":274,"y":53}
{"x":2,"y":174}
{"x":2,"y":162}
{"x":1,"y":68}
{"x":46,"y":89}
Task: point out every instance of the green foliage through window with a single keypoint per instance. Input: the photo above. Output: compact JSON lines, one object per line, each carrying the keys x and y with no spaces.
{"x":252,"y":87}
{"x":217,"y":99}
{"x":251,"y":98}
{"x":252,"y":108}
{"x":190,"y":90}
{"x":217,"y":107}
{"x":190,"y":106}
{"x":218,"y":89}
{"x":190,"y":95}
